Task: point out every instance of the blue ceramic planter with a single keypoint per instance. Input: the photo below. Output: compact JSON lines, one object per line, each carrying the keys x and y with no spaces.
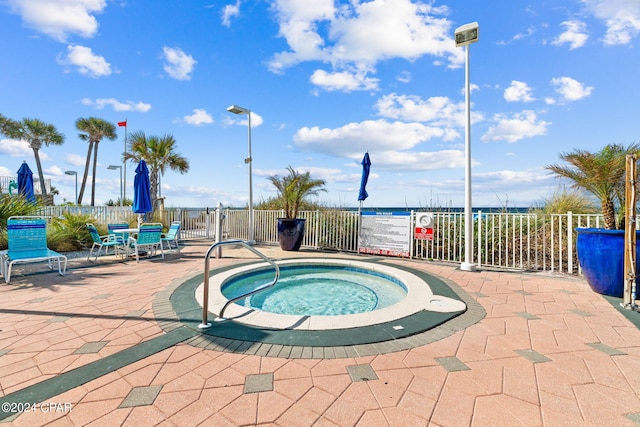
{"x":601,"y":257}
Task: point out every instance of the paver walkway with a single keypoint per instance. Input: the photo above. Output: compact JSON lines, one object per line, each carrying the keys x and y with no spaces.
{"x":90,"y":348}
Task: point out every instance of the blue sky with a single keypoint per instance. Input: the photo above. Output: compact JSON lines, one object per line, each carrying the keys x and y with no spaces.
{"x":326,"y":81}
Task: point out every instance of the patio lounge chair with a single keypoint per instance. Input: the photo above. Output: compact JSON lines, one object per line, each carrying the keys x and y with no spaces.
{"x":148,"y":239}
{"x":106,"y":242}
{"x":27,"y":241}
{"x":171,"y":236}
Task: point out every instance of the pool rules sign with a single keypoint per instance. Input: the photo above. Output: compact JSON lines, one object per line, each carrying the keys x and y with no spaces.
{"x":424,"y":226}
{"x":385,"y":233}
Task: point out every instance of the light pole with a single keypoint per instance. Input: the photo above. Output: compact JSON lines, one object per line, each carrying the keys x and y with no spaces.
{"x":239,"y":110}
{"x":114,"y":167}
{"x":466,"y":35}
{"x":76,"y":175}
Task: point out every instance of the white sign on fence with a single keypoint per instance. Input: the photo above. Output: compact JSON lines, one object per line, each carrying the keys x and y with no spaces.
{"x":385,"y":233}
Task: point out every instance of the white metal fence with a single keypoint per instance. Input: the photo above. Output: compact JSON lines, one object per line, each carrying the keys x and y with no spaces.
{"x":523,"y":241}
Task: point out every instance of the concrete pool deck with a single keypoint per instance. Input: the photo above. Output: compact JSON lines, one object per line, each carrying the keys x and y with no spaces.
{"x":101,"y":346}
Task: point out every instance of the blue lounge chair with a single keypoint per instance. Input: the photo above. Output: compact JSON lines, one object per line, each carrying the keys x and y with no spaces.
{"x":106,"y":242}
{"x":172,"y":235}
{"x":27,"y":241}
{"x":148,"y":239}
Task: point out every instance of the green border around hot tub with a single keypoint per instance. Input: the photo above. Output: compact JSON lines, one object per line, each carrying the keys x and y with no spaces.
{"x":234,"y":336}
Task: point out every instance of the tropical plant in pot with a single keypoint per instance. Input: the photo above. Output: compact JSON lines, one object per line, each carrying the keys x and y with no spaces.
{"x":601,"y":250}
{"x":293,"y":189}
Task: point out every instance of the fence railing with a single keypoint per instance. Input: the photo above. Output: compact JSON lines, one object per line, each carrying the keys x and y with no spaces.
{"x":523,"y":241}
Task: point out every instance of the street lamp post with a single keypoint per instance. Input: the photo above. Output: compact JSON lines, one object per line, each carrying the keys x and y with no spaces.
{"x":76,"y":175}
{"x":464,"y":36}
{"x":239,"y":110}
{"x":114,"y":167}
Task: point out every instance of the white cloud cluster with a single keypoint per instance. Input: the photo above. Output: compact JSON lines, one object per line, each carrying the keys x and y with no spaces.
{"x":198,"y":118}
{"x":622,"y":18}
{"x":230,"y":11}
{"x":575,"y":34}
{"x":119,"y":106}
{"x":570,"y":89}
{"x":86,"y":61}
{"x":518,"y":92}
{"x":179,"y":65}
{"x":514,"y":127}
{"x":343,"y":80}
{"x":59,"y":18}
{"x":354,"y":37}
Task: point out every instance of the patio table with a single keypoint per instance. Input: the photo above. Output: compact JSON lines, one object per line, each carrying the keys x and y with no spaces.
{"x":125,"y":232}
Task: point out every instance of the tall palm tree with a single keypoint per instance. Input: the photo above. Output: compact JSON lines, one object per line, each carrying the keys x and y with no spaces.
{"x":94,"y":130}
{"x":36,"y":133}
{"x":159,"y":154}
{"x":601,"y":173}
{"x":294,"y":188}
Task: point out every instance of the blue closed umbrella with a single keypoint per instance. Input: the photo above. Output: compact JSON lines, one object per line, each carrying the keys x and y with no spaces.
{"x":25,"y":182}
{"x":142,"y":189}
{"x":366,"y":166}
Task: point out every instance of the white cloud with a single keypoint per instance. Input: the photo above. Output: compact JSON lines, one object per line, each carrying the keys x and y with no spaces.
{"x":356,"y":36}
{"x":76,"y":160}
{"x":119,"y":106}
{"x":512,"y":128}
{"x":439,"y":111}
{"x":575,"y":34}
{"x":15,"y":148}
{"x":198,"y":118}
{"x":570,"y":89}
{"x":518,"y":92}
{"x":353,"y":139}
{"x":393,"y":143}
{"x":344,"y":81}
{"x":179,"y":65}
{"x":230,"y":11}
{"x":87,"y":63}
{"x":622,"y":18}
{"x":59,"y":18}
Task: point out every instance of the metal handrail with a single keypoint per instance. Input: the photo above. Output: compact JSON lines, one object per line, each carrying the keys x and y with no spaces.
{"x":205,"y":303}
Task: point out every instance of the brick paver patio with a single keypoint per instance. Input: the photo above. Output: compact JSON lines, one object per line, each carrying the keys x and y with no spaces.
{"x":97,"y":347}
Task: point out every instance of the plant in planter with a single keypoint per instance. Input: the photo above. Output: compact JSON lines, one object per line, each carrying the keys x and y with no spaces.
{"x":292,"y":191}
{"x":601,"y":251}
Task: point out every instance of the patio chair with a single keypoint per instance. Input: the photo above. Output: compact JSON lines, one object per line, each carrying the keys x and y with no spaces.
{"x":171,"y":236}
{"x":122,"y":237}
{"x":148,"y":239}
{"x":27,"y":241}
{"x":106,"y":242}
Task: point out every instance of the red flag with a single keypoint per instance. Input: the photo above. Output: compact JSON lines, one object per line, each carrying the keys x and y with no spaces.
{"x":122,"y":123}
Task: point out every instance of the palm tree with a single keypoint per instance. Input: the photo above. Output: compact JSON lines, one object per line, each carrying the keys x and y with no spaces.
{"x":294,"y":188}
{"x":94,"y":130}
{"x":159,"y":153}
{"x":601,"y":173}
{"x":36,"y":133}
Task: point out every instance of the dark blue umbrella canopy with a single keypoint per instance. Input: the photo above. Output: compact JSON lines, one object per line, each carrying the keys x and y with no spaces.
{"x":25,"y":182}
{"x":142,"y":189}
{"x":366,"y":166}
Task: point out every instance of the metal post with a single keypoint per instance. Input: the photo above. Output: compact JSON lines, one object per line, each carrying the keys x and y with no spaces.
{"x":250,"y":161}
{"x":218,"y":227}
{"x":467,"y":265}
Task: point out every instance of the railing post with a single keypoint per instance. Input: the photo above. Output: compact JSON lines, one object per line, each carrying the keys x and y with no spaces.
{"x":570,"y":242}
{"x":479,"y":251}
{"x":218,"y":226}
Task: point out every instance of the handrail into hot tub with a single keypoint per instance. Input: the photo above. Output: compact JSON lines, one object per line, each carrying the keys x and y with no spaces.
{"x":205,"y":300}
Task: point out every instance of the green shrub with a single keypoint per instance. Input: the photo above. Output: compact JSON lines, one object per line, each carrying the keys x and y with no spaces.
{"x":69,"y":232}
